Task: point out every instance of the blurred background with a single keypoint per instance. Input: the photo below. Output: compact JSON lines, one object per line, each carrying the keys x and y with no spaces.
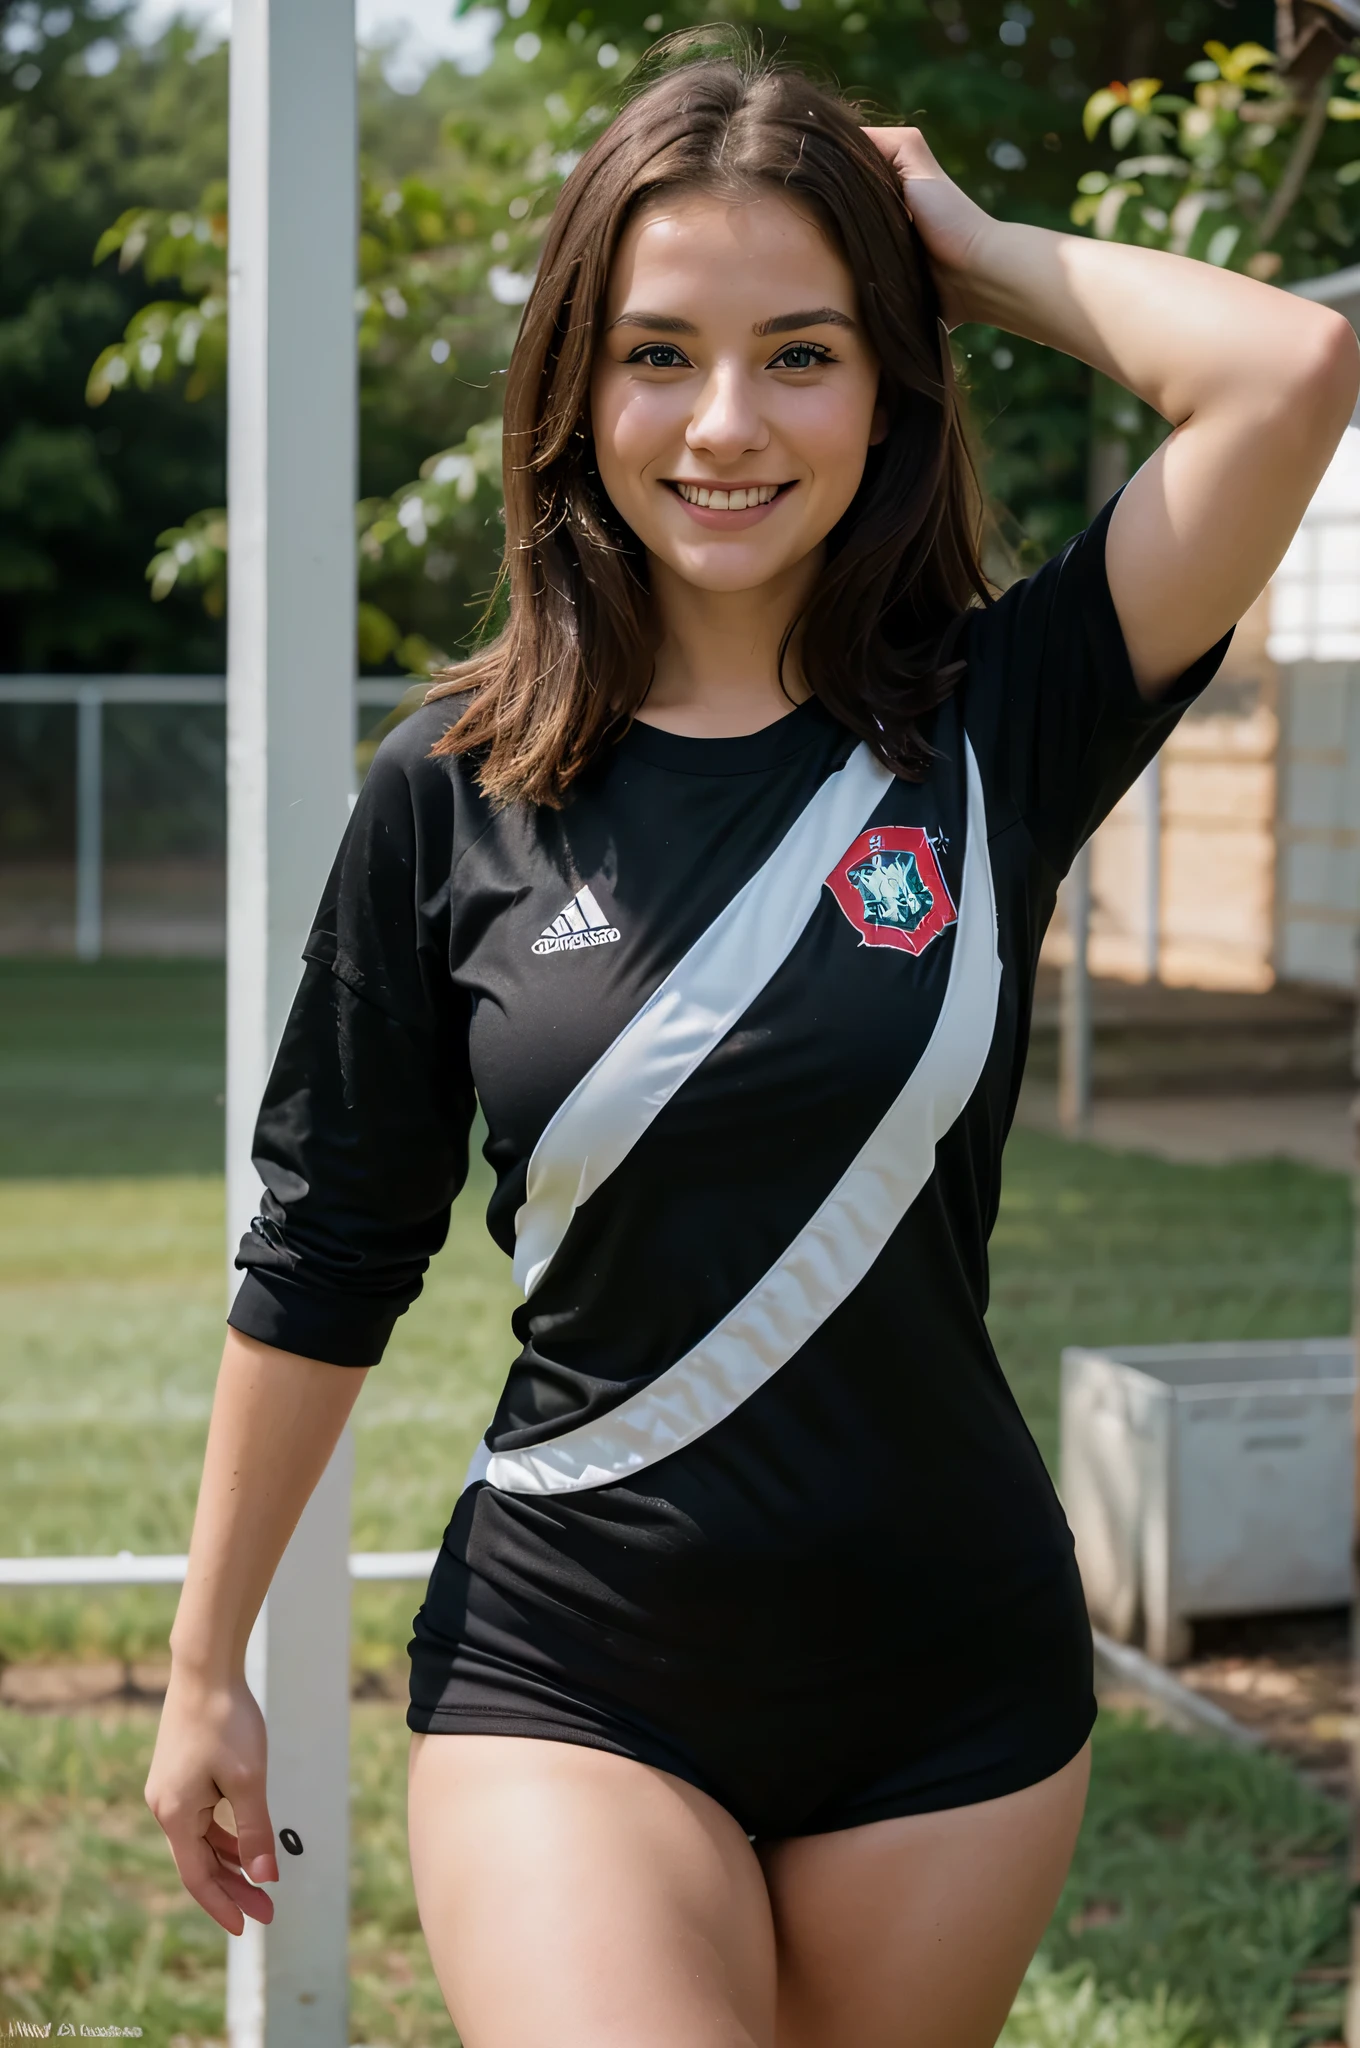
{"x":1178,"y":1175}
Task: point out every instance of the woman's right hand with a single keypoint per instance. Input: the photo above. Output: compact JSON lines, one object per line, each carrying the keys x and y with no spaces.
{"x":211,"y":1745}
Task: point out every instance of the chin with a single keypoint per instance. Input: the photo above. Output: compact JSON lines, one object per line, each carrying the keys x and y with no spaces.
{"x":727,"y":569}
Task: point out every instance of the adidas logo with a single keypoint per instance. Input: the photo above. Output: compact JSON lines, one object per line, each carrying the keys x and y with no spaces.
{"x":582,"y":923}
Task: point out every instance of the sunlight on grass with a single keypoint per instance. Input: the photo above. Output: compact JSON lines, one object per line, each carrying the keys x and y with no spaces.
{"x":1180,"y":1926}
{"x":111,"y":1068}
{"x":1205,"y":1880}
{"x":111,"y":1317}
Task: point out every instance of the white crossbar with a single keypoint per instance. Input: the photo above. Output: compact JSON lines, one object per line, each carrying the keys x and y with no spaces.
{"x":384,"y":691}
{"x":126,"y":1569}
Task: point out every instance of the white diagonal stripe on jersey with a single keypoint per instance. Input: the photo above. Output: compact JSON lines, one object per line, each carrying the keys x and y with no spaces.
{"x":695,"y":1006}
{"x":828,"y":1257}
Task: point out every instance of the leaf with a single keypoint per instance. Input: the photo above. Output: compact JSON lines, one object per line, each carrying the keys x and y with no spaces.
{"x":114,"y":237}
{"x":378,"y":634}
{"x":1151,"y":167}
{"x":1349,"y":174}
{"x":1247,"y":58}
{"x":1109,"y":207}
{"x":193,"y":555}
{"x":419,"y":658}
{"x":1222,"y":243}
{"x":109,"y":372}
{"x":1237,"y":64}
{"x":1100,"y":106}
{"x":1124,"y":127}
{"x":1187,"y":214}
{"x":1142,"y":92}
{"x":1343,"y":110}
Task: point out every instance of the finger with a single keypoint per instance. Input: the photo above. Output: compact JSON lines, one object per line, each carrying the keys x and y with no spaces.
{"x":885,"y":141}
{"x":223,"y":1842}
{"x":227,"y":1850}
{"x":224,"y":1894}
{"x":241,"y":1892}
{"x":893,"y":141}
{"x":254,"y":1831}
{"x":906,"y":150}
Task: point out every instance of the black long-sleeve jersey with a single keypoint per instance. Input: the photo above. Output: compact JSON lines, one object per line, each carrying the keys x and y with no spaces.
{"x":747,"y":1020}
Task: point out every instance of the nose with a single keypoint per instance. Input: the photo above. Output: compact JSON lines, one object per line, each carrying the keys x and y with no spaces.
{"x":726,"y":422}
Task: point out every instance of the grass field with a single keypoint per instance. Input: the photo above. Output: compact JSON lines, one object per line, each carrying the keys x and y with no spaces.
{"x":1205,"y":1881}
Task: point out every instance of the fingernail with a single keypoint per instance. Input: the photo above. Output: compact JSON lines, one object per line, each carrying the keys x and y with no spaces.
{"x":262,"y":1869}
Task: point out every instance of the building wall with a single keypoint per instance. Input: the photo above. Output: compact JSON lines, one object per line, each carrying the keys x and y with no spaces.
{"x":1319,"y":830}
{"x":1315,"y":641}
{"x":1237,"y":860}
{"x":1183,"y":871}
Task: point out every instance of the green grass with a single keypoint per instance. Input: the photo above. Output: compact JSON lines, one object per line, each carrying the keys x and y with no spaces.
{"x":112,"y":1293}
{"x":1095,"y":1247}
{"x":111,"y":1068}
{"x":1204,"y":1881}
{"x":111,"y":1316}
{"x":111,"y":1307}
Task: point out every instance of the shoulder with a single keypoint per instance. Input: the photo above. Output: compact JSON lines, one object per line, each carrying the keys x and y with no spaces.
{"x":1058,"y":618}
{"x":411,"y":787}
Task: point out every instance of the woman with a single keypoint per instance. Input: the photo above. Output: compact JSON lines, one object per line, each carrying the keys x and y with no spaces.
{"x":719,"y":881}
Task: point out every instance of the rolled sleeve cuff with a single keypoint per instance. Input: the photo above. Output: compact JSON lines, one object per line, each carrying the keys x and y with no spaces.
{"x":338,"y":1329}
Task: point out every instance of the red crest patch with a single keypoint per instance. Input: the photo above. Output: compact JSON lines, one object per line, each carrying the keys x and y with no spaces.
{"x":890,"y":887}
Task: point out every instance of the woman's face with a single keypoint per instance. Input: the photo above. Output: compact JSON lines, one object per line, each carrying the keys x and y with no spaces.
{"x":732,"y":366}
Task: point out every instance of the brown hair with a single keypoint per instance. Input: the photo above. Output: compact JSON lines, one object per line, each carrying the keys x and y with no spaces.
{"x":574,"y":660}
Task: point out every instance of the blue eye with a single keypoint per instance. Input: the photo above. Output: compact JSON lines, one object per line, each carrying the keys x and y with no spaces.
{"x":659,"y":355}
{"x":801,"y":355}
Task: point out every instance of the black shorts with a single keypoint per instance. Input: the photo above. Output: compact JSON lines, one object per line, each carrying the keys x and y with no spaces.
{"x":907,"y":1724}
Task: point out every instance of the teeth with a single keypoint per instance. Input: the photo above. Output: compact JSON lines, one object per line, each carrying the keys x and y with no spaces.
{"x":740,"y":500}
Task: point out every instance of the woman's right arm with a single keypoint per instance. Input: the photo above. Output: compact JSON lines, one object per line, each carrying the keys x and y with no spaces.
{"x":361,"y":1146}
{"x":276,"y":1418}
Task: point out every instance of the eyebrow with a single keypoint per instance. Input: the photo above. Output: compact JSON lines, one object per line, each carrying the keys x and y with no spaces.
{"x":818,"y":316}
{"x":782,"y":323}
{"x":660,"y":323}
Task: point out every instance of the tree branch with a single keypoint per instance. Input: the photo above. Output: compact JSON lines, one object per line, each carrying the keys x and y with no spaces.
{"x":1300,"y":158}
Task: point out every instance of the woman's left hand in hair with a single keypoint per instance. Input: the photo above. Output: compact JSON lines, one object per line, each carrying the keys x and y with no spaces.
{"x":947,"y":220}
{"x":1255,"y":383}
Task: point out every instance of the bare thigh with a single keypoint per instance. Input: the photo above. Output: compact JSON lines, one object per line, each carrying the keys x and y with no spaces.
{"x":915,"y":1933}
{"x":575,"y":1899}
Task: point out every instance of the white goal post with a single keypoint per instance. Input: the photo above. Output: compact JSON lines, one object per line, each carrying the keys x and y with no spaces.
{"x":291,"y":489}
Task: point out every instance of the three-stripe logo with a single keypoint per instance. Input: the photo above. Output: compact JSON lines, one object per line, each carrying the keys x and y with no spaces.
{"x":582,"y":923}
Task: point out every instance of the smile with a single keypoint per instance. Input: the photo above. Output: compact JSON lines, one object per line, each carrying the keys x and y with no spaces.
{"x":728,"y":498}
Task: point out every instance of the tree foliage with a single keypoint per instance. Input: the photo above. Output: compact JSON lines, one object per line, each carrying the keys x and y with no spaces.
{"x":90,"y":124}
{"x":1233,"y":172}
{"x":117,"y":437}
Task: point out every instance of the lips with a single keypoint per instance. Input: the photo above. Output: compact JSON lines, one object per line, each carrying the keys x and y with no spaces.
{"x":729,"y":498}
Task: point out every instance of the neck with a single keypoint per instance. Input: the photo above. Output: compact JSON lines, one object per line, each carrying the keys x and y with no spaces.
{"x":717,"y":672}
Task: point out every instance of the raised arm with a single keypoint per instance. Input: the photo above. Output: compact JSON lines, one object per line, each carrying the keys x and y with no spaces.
{"x":1256,"y":384}
{"x":276,"y":1419}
